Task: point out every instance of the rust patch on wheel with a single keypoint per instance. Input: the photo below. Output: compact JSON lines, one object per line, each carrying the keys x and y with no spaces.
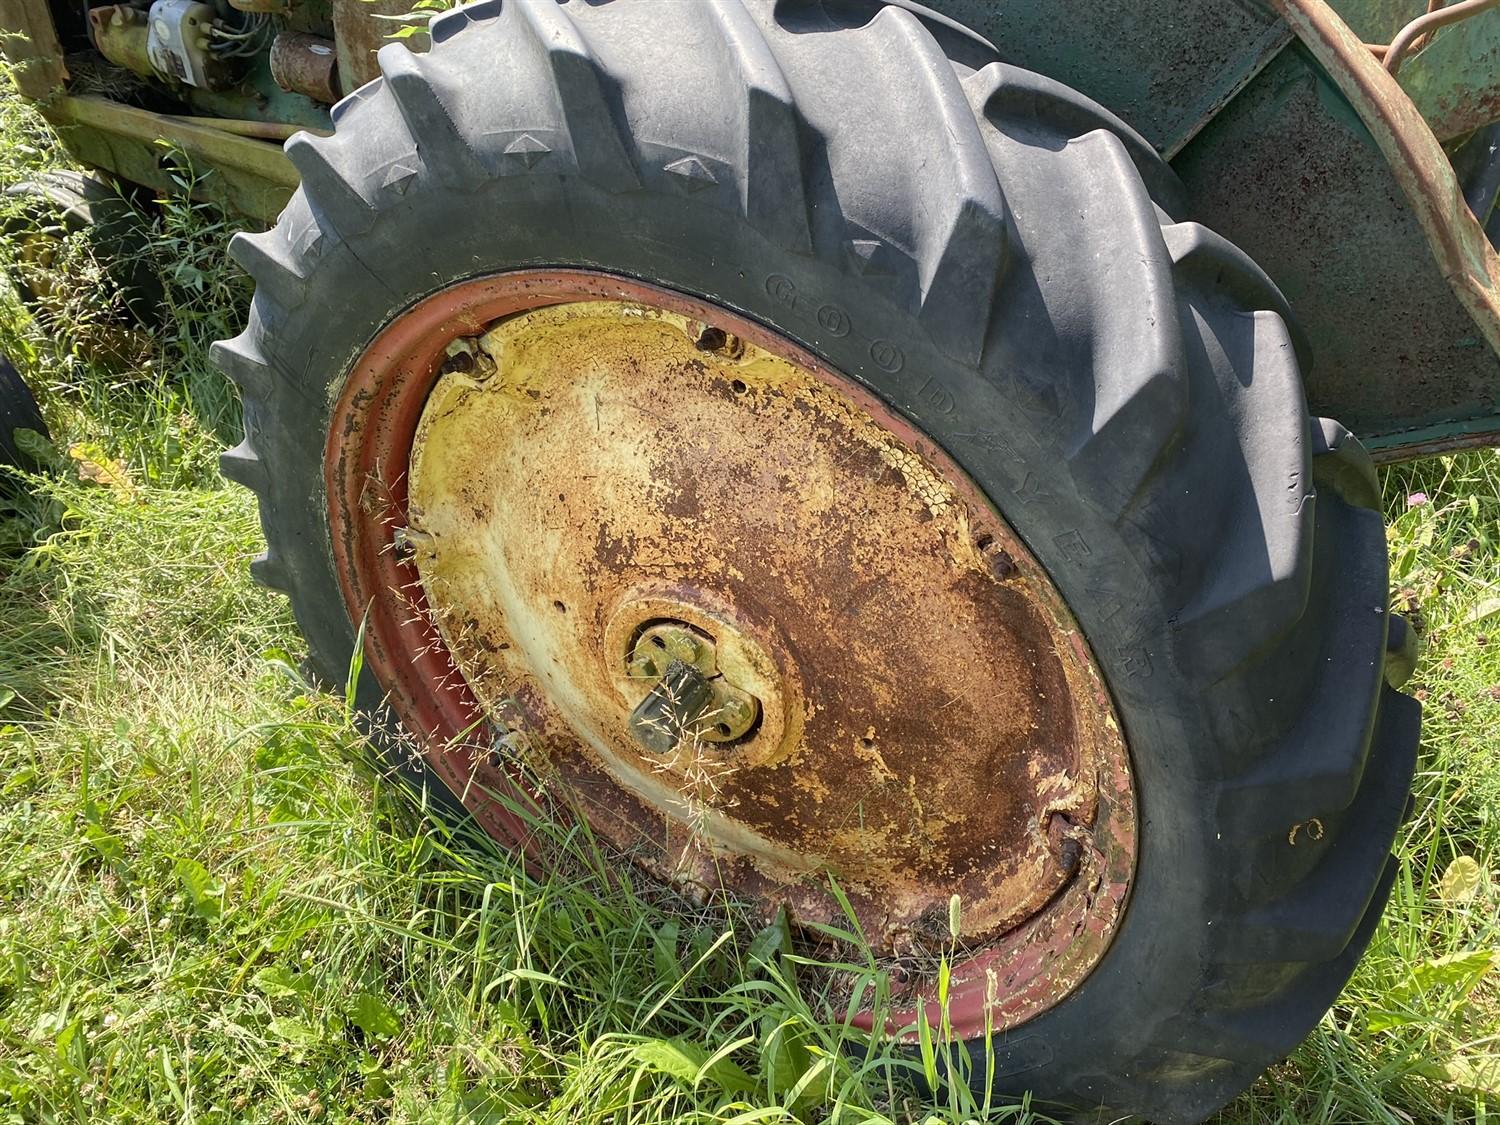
{"x":760,"y":628}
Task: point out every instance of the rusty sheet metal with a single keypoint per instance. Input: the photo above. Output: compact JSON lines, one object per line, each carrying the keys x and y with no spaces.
{"x":1464,"y":255}
{"x":1455,"y":80}
{"x":361,"y":28}
{"x":1166,"y":70}
{"x":932,"y":720}
{"x":1291,"y":173}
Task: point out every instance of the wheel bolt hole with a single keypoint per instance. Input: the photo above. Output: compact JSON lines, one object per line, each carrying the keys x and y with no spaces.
{"x":711,"y":339}
{"x":461,"y":362}
{"x":984,"y":542}
{"x":649,"y":668}
{"x":738,"y":386}
{"x":559,"y":607}
{"x":867,"y":743}
{"x":659,"y":643}
{"x":723,"y":729}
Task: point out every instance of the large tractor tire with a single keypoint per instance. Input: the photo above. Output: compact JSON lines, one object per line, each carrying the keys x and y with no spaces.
{"x":865,"y":414}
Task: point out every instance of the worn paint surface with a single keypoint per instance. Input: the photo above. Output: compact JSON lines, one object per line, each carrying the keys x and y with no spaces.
{"x":1454,"y":77}
{"x":924,"y":720}
{"x":1462,"y":254}
{"x":252,"y":177}
{"x":1166,"y":70}
{"x":1455,"y":80}
{"x":920,"y":740}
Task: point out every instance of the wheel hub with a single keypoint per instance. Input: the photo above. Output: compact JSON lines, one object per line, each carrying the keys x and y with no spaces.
{"x":764,"y":630}
{"x":691,"y":701}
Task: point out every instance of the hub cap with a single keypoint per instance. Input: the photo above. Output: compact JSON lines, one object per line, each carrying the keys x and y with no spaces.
{"x":763,"y":630}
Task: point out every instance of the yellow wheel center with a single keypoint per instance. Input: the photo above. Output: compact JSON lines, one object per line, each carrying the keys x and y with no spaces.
{"x":874,"y":678}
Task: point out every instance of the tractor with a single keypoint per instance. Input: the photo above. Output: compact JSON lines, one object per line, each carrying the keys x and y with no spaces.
{"x":906,"y":467}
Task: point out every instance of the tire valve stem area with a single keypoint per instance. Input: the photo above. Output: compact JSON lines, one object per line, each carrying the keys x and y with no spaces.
{"x":690,"y":700}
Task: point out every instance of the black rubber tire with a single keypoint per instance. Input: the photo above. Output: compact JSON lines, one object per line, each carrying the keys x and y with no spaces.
{"x":18,"y":411}
{"x":1007,"y":264}
{"x":72,"y":202}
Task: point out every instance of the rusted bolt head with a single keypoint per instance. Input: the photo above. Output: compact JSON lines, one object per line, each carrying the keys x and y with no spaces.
{"x":732,"y":715}
{"x":660,"y":643}
{"x":1000,"y":564}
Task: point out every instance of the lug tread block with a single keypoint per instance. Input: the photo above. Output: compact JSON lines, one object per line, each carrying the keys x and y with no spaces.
{"x":1211,"y":263}
{"x":243,"y":363}
{"x":1255,"y":589}
{"x":1023,"y":102}
{"x":1315,"y":920}
{"x":244,"y":466}
{"x":962,"y":233}
{"x":1139,"y":392}
{"x":341,"y":109}
{"x":1314,"y":767}
{"x":769,"y":148}
{"x":1322,"y":782}
{"x":267,"y":571}
{"x":443,"y":149}
{"x":1341,"y":464}
{"x":272,"y":264}
{"x":1272,"y":1028}
{"x":588,"y":104}
{"x":328,"y":190}
{"x":445,"y":25}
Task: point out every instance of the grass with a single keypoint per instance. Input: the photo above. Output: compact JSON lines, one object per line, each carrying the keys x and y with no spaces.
{"x":213,"y":908}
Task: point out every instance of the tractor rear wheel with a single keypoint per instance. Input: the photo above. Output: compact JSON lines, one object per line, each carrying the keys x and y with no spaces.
{"x":826,"y":449}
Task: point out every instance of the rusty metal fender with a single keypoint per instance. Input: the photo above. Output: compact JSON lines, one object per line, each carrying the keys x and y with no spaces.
{"x":1463,"y":253}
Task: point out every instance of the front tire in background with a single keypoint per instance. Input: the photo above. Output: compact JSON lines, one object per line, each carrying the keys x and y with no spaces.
{"x":1006,"y":266}
{"x":42,"y":214}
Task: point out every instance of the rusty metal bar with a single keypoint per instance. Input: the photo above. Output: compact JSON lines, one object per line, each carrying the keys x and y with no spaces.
{"x":306,"y":64}
{"x":218,"y":147}
{"x":258,"y":130}
{"x":1406,"y":39}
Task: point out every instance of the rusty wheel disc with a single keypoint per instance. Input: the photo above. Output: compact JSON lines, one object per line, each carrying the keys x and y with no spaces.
{"x":758,"y":627}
